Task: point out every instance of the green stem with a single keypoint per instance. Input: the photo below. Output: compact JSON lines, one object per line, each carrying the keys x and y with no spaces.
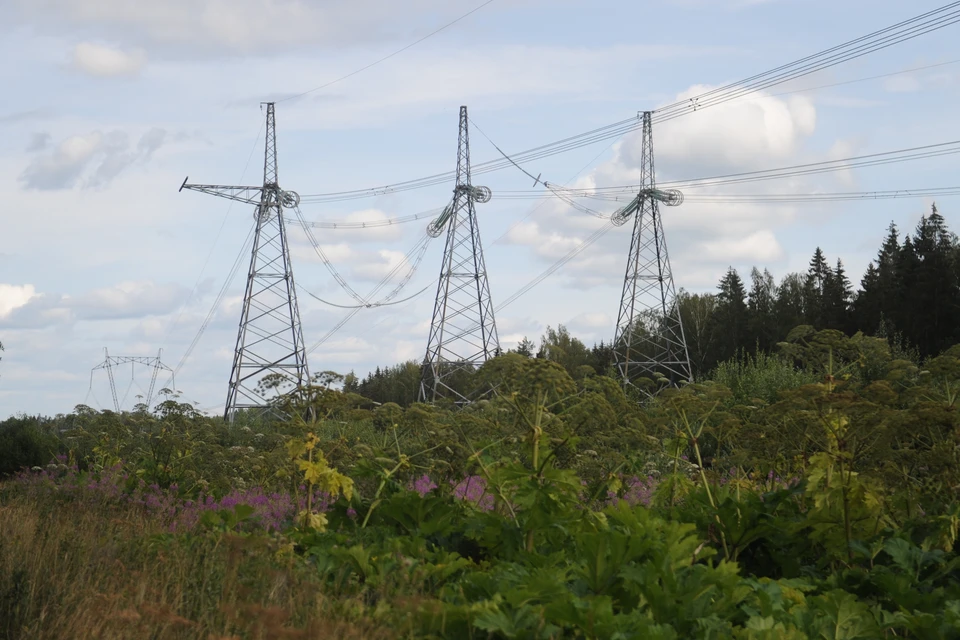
{"x":376,"y":496}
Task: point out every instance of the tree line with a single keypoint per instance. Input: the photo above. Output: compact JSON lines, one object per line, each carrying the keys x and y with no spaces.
{"x":910,"y":295}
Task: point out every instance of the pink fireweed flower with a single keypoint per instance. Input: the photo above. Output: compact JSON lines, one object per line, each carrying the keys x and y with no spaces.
{"x":422,"y":485}
{"x":474,"y":489}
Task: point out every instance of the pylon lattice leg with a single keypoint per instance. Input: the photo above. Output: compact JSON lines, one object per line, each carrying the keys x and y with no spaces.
{"x":463,"y":332}
{"x":649,"y":340}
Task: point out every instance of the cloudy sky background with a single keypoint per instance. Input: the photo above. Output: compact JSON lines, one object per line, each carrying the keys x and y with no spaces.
{"x":111,"y":103}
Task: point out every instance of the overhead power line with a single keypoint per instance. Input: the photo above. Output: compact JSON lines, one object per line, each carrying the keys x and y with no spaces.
{"x":419,"y":250}
{"x":903,"y":31}
{"x":937,"y":192}
{"x":387,"y":57}
{"x":935,"y":150}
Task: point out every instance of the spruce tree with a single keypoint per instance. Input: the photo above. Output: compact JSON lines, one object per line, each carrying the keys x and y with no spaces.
{"x":731,"y":317}
{"x":817,"y":275}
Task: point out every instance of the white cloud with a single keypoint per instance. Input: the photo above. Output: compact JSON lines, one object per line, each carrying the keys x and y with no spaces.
{"x":376,"y":268}
{"x":105,"y":61}
{"x":125,"y":300}
{"x":759,"y":248}
{"x":14,"y":296}
{"x":240,"y":25}
{"x":731,"y":137}
{"x":91,"y":160}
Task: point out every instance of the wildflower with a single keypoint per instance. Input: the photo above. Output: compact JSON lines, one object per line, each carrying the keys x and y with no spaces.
{"x":422,"y":485}
{"x":474,"y":489}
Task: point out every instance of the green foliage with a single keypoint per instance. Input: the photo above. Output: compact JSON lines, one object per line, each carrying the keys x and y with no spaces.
{"x":759,"y":378}
{"x":807,"y":494}
{"x":26,"y":442}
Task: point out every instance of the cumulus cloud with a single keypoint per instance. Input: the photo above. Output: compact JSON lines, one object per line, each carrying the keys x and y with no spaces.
{"x":105,"y":61}
{"x":239,"y":25}
{"x":14,"y":296}
{"x":91,"y":160}
{"x":702,"y":235}
{"x":760,"y":247}
{"x":734,"y":135}
{"x":125,"y":300}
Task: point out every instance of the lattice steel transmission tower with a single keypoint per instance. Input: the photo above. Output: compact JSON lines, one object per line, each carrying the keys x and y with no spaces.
{"x":649,"y":340}
{"x":109,"y":362}
{"x":270,"y":338}
{"x":463,"y":333}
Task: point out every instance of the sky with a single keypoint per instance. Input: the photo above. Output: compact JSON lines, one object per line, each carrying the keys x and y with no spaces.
{"x":110,"y":104}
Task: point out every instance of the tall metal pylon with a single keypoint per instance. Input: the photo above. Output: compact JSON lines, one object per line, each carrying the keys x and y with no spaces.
{"x":270,"y":338}
{"x":649,"y":340}
{"x":463,"y":333}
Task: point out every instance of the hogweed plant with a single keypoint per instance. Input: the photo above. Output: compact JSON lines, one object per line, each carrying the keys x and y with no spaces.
{"x":319,"y":475}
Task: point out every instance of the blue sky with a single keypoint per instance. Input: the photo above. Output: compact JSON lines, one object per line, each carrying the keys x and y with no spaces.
{"x":113,"y":102}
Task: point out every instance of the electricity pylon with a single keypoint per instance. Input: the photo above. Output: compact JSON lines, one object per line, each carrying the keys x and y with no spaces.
{"x":270,"y":338}
{"x":649,"y":341}
{"x":463,"y":333}
{"x":109,"y":362}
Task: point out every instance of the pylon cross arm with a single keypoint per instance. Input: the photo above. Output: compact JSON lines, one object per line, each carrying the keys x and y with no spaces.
{"x":247,"y":195}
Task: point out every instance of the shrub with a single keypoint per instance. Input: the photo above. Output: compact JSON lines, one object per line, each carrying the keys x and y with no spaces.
{"x":25,"y":443}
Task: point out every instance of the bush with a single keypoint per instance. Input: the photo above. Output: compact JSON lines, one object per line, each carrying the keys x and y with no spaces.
{"x":25,"y":443}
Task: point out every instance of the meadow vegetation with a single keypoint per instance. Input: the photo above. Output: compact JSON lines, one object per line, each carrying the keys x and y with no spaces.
{"x":806,"y":492}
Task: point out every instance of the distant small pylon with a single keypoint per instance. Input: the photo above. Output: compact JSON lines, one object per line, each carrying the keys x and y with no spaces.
{"x":110,"y":362}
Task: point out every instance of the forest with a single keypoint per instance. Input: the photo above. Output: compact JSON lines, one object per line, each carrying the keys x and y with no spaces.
{"x":803,"y":486}
{"x":910,"y":295}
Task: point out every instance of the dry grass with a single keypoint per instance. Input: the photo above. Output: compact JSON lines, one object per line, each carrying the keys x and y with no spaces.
{"x":70,"y":571}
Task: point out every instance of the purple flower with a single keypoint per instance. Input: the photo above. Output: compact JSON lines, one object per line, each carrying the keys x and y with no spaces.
{"x":422,"y":485}
{"x":474,"y":489}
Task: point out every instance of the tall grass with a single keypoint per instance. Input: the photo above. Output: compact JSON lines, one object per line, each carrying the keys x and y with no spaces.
{"x":71,"y":571}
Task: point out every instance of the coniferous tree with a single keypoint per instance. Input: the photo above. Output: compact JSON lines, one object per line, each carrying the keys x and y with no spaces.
{"x":602,"y":357}
{"x":935,"y":287}
{"x":835,"y":301}
{"x":904,"y":317}
{"x":877,"y":304}
{"x":867,"y":306}
{"x":526,"y":347}
{"x":731,"y":317}
{"x":818,"y":274}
